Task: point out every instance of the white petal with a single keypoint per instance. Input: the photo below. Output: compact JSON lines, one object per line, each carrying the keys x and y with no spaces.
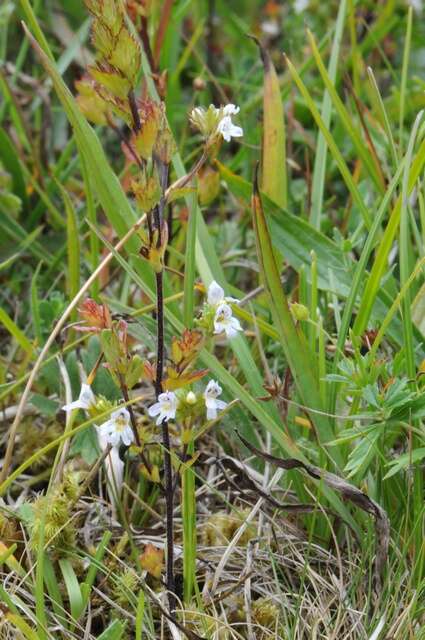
{"x":107,"y":426}
{"x":102,"y":438}
{"x":221,"y":404}
{"x":212,"y":390}
{"x":127,"y":436}
{"x":114,"y":438}
{"x":155,"y":409}
{"x":230,"y":110}
{"x":211,"y":413}
{"x":86,"y":394}
{"x":234,"y":322}
{"x":72,"y":405}
{"x":236,"y":132}
{"x":210,"y":403}
{"x":215,"y":293}
{"x":231,"y":332}
{"x":228,"y":129}
{"x":161,"y":418}
{"x":115,"y":468}
{"x":120,"y":413}
{"x":218,"y":327}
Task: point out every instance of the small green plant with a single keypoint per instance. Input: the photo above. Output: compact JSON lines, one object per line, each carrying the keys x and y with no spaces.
{"x":211,"y":360}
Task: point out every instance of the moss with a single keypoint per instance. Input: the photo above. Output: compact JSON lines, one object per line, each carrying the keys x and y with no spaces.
{"x":222,"y":526}
{"x":54,"y":510}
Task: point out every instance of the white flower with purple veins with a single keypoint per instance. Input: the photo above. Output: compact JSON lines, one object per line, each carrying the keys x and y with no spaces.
{"x":118,"y":428}
{"x":165,"y":408}
{"x":212,"y":403}
{"x":86,"y":399}
{"x":225,"y":322}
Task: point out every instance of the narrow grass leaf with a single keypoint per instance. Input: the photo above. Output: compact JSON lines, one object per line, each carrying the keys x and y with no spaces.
{"x":319,"y":171}
{"x":72,"y":248}
{"x":336,"y":153}
{"x":15,"y":332}
{"x":353,"y":132}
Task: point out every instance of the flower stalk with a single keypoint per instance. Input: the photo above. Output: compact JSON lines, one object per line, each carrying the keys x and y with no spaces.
{"x":168,"y":471}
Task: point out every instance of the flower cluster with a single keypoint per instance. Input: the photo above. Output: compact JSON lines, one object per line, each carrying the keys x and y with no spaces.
{"x":118,"y":428}
{"x":218,"y":312}
{"x":168,"y":403}
{"x":215,"y":122}
{"x":114,"y":430}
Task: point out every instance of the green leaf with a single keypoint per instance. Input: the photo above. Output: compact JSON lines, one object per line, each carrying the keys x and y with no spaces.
{"x":115,"y":631}
{"x":11,"y":163}
{"x":46,"y":406}
{"x":15,"y":332}
{"x":404,"y":461}
{"x":303,"y":368}
{"x":73,"y":248}
{"x":85,"y":444}
{"x":319,"y":171}
{"x":273,"y":158}
{"x":72,"y":587}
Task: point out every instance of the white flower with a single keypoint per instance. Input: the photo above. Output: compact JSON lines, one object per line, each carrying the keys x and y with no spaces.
{"x":86,"y":399}
{"x":228,"y":130}
{"x":213,"y":405}
{"x":118,"y":428}
{"x":224,"y":321}
{"x":216,"y":295}
{"x":270,"y":28}
{"x":165,"y":408}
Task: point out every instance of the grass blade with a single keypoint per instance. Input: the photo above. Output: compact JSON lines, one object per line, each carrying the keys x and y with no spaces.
{"x":318,"y":183}
{"x":342,"y":165}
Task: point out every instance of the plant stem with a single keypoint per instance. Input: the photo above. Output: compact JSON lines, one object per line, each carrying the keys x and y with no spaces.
{"x":168,"y":472}
{"x":133,"y":422}
{"x":137,"y":125}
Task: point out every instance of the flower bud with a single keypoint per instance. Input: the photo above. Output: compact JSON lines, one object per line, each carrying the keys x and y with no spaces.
{"x":299,"y":311}
{"x":191,"y":398}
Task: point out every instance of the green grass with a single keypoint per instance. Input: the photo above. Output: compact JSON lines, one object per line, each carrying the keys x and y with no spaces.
{"x":326,"y":256}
